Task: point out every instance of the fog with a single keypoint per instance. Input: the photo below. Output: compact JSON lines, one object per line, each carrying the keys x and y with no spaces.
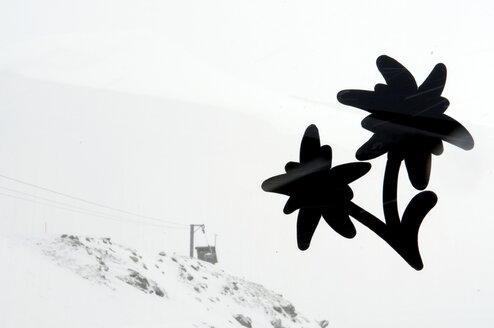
{"x":179,"y":110}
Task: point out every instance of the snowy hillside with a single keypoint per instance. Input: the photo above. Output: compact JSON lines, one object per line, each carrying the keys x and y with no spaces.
{"x":73,"y":281}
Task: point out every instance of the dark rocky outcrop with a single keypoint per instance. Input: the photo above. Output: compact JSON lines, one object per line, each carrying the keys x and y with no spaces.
{"x":243,"y":320}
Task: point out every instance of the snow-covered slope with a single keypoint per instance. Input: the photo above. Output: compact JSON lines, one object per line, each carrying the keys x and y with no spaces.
{"x":73,"y":281}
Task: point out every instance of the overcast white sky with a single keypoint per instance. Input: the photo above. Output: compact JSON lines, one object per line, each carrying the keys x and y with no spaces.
{"x":179,"y":110}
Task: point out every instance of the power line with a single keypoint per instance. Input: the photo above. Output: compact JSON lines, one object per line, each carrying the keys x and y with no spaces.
{"x":77,"y":208}
{"x":91,"y":202}
{"x":87,"y":212}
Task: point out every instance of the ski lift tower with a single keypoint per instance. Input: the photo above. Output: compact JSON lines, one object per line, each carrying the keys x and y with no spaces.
{"x":193,"y":229}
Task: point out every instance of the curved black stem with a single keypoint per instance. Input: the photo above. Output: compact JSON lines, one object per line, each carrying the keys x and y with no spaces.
{"x":369,"y":220}
{"x":401,"y":239}
{"x":390,"y":190}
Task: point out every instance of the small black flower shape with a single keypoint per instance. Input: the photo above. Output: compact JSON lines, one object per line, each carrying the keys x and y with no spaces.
{"x":317,"y":189}
{"x":407,"y":121}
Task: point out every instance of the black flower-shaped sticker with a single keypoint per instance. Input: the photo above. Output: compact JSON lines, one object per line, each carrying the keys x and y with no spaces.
{"x":409,"y":124}
{"x":407,"y":121}
{"x":316,"y":188}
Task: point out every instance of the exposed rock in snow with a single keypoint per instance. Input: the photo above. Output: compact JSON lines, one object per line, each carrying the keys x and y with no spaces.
{"x":324,"y":323}
{"x":277,"y":323}
{"x":290,"y":310}
{"x":243,"y":320}
{"x":139,"y":281}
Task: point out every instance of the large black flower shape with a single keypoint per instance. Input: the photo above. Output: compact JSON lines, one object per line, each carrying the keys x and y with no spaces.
{"x":407,"y":121}
{"x":317,"y":189}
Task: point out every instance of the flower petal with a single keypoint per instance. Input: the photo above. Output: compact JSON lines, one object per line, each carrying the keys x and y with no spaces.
{"x":279,"y":184}
{"x":338,"y":219}
{"x":362,"y":99}
{"x":308,"y":219}
{"x":382,"y":100}
{"x":309,"y":149}
{"x":455,"y":133}
{"x":433,"y":86}
{"x":290,"y":166}
{"x":396,"y":75}
{"x":399,"y":127}
{"x":292,"y":204}
{"x":350,"y":172}
{"x":326,"y":153}
{"x":296,"y":176}
{"x":374,"y":147}
{"x":428,"y":107}
{"x":438,"y":148}
{"x":418,"y":165}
